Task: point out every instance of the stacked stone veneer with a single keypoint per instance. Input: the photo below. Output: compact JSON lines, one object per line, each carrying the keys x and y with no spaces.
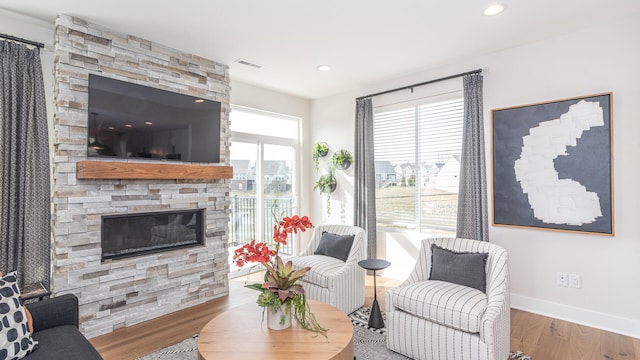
{"x":116,"y":294}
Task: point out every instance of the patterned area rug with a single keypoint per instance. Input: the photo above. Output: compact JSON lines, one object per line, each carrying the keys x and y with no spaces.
{"x":518,"y":355}
{"x":369,"y":343}
{"x":184,"y":350}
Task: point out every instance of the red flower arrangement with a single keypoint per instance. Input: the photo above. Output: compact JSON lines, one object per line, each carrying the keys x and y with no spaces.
{"x":279,"y":289}
{"x":260,"y":252}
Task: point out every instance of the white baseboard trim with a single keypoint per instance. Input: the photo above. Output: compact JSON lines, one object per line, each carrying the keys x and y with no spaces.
{"x":603,"y":321}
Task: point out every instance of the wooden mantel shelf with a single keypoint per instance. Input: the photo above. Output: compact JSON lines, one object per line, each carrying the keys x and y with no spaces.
{"x":140,"y":170}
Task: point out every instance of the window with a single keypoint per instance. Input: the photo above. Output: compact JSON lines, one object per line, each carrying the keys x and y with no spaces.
{"x":264,"y":148}
{"x":417,"y":162}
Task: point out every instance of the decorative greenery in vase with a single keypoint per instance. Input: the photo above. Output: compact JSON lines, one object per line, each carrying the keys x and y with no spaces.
{"x":320,"y":149}
{"x":326,"y":184}
{"x":342,"y":159}
{"x":279,"y":291}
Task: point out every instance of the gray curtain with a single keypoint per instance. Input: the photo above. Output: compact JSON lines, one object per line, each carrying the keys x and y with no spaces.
{"x":472,"y":197}
{"x":365,"y":178}
{"x":24,"y":166}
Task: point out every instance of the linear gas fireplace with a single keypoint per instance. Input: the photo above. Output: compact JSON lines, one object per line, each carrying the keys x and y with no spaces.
{"x":145,"y":233}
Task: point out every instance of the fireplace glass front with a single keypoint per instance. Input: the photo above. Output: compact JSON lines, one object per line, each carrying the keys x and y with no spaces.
{"x":129,"y":235}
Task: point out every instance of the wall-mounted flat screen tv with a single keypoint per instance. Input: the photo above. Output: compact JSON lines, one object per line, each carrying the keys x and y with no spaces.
{"x":128,"y":120}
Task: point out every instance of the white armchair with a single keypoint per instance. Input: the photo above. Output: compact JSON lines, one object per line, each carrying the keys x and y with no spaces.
{"x":330,"y":280}
{"x":439,"y":320}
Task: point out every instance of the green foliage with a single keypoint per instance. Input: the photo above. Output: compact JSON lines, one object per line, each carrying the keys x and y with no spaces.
{"x":303,"y":315}
{"x":320,"y":149}
{"x":325,"y":182}
{"x":324,"y":185}
{"x":255,"y":286}
{"x":342,"y":159}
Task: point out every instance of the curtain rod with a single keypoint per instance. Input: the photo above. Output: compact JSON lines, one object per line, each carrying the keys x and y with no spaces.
{"x":422,"y":83}
{"x":25,"y":41}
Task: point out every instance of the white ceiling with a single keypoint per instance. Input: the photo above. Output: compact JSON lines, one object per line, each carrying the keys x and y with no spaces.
{"x":365,"y":41}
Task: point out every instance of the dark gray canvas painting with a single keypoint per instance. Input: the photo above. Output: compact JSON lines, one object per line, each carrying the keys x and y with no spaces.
{"x":552,"y":165}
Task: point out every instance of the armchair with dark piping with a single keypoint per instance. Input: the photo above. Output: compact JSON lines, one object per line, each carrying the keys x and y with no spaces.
{"x":330,"y":280}
{"x":440,"y":320}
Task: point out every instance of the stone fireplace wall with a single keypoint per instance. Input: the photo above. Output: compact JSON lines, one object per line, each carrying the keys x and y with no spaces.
{"x":120,"y":293}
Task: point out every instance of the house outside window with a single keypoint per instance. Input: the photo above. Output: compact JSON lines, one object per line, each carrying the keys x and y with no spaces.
{"x":417,"y":164}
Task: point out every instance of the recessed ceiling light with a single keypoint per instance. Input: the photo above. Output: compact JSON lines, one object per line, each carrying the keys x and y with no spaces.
{"x":148,"y":123}
{"x":324,"y":67}
{"x":199,"y":100}
{"x":111,"y":128}
{"x":494,"y":9}
{"x":128,"y":125}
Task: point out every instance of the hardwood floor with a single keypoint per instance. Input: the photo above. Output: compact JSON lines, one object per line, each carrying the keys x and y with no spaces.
{"x":547,"y":338}
{"x":541,"y":337}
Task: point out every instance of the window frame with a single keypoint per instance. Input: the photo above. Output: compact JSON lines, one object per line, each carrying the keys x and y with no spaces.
{"x":452,"y":92}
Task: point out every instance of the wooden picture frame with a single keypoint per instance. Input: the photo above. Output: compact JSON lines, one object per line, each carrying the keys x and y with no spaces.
{"x":552,"y":165}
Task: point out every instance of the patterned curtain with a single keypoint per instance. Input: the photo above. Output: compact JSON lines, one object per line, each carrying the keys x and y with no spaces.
{"x":472,"y":196}
{"x":24,"y":166}
{"x":365,"y":178}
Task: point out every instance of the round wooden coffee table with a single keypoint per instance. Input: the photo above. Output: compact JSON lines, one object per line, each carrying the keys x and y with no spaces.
{"x":239,"y":333}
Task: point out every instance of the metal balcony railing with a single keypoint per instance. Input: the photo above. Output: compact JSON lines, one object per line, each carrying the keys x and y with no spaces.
{"x":243,"y":227}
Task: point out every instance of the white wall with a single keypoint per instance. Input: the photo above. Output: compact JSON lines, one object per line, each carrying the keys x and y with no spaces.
{"x":252,"y":96}
{"x":333,"y":123}
{"x":600,"y":59}
{"x":597,"y":60}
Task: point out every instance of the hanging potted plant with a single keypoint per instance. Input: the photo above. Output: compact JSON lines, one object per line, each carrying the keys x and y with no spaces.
{"x":342,"y":159}
{"x":326,"y":184}
{"x":320,"y":149}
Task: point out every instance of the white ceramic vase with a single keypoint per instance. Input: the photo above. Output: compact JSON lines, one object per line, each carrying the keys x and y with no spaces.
{"x":280,"y":319}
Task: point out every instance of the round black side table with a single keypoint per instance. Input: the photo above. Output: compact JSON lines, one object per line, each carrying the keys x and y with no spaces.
{"x":375,"y":319}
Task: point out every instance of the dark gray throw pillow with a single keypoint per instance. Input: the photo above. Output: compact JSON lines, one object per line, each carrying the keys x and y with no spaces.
{"x":460,"y":268}
{"x":334,"y":245}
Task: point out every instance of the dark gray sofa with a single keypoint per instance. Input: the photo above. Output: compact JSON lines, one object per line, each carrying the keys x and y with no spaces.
{"x":55,"y":327}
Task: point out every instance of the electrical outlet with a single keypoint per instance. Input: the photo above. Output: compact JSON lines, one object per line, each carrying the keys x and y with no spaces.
{"x":561,"y":279}
{"x":575,"y":281}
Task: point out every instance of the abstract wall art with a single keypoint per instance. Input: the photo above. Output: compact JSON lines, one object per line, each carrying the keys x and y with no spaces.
{"x":553,"y":165}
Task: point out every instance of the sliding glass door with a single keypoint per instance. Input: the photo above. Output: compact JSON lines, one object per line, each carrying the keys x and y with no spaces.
{"x":264,"y":187}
